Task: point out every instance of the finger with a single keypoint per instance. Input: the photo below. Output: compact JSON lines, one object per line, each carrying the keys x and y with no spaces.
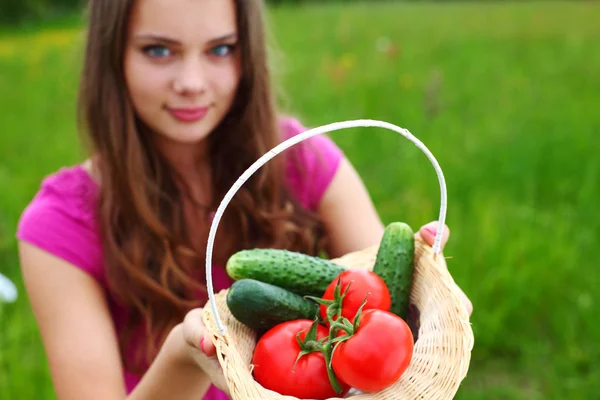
{"x":429,"y":231}
{"x":194,"y":331}
{"x":207,"y":346}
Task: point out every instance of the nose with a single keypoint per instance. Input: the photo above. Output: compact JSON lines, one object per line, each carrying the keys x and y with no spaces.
{"x":190,"y":78}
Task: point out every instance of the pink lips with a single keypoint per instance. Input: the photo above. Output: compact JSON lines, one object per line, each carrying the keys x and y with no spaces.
{"x":189,"y":114}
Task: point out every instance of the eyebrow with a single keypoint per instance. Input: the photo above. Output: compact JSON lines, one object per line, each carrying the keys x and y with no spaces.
{"x":165,"y":39}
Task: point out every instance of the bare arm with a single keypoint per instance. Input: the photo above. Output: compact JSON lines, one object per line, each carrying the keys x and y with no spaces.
{"x":80,"y":341}
{"x":350,"y":217}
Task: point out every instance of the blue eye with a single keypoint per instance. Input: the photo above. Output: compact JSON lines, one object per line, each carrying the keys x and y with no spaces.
{"x":157,"y":51}
{"x":222,"y":50}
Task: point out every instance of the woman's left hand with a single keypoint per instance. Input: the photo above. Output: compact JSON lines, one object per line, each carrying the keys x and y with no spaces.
{"x":428,"y":232}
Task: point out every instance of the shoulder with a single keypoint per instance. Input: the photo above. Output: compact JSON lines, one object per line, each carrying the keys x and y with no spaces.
{"x":311,"y":163}
{"x":61,"y":218}
{"x":69,"y":190}
{"x":321,"y":143}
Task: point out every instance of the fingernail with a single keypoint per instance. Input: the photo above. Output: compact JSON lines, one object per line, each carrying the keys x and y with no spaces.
{"x":431,"y":230}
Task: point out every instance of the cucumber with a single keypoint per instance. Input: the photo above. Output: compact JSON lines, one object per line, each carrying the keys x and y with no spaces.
{"x":260,"y":306}
{"x":297,"y":272}
{"x":394,"y":263}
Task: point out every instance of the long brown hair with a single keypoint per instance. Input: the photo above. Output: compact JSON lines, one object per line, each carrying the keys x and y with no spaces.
{"x":151,"y":266}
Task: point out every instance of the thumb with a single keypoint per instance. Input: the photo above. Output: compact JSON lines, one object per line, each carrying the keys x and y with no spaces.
{"x":429,"y":231}
{"x":196,"y":334}
{"x":203,"y":350}
{"x":206,"y":345}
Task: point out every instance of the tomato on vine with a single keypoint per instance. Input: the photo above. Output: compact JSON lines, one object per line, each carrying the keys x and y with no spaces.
{"x":375,"y":353}
{"x":350,"y":289}
{"x":290,"y":360}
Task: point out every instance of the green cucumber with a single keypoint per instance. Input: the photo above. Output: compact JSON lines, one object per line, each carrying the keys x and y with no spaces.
{"x":297,"y":272}
{"x":395,"y":264}
{"x":260,"y":306}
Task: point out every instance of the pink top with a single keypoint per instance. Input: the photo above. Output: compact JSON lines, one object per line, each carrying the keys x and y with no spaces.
{"x":60,"y":217}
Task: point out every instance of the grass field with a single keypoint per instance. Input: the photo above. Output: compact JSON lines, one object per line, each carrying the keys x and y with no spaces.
{"x":504,"y":95}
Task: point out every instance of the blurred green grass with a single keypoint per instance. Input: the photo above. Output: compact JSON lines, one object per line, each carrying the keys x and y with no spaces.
{"x":504,"y":95}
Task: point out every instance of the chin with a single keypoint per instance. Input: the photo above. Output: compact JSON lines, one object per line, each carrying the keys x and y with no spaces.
{"x":186,"y":134}
{"x":189,"y":137}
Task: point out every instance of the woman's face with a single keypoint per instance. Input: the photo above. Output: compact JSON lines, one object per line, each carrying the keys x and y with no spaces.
{"x":182,"y":66}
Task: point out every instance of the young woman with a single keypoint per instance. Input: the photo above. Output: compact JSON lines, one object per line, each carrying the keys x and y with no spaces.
{"x":175,"y":103}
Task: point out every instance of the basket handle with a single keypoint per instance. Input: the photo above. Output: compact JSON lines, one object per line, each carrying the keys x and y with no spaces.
{"x":295,"y":140}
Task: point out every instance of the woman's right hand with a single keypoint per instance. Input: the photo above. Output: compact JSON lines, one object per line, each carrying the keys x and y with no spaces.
{"x":200,"y":348}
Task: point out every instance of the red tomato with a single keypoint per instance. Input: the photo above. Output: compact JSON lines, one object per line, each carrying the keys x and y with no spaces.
{"x":377,"y":354}
{"x":363,"y":284}
{"x":275,"y":355}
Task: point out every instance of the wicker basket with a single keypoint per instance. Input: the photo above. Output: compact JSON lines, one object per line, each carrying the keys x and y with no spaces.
{"x":442,"y":352}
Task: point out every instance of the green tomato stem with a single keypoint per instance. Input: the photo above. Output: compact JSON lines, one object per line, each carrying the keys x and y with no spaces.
{"x":327,"y":352}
